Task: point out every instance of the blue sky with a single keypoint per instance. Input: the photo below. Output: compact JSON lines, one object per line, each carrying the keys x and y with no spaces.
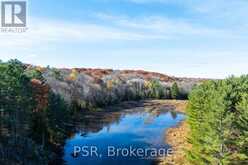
{"x":187,"y":38}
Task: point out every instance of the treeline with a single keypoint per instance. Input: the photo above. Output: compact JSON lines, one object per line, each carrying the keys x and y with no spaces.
{"x":218,"y":118}
{"x":32,"y":118}
{"x":89,"y":93}
{"x":135,"y":90}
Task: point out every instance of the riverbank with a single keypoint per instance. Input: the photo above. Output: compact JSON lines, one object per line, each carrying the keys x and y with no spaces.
{"x":177,"y":138}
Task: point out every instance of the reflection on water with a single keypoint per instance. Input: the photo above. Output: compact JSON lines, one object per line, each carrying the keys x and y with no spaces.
{"x":136,"y":128}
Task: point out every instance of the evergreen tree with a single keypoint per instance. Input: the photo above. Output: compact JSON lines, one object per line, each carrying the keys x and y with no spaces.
{"x":174,"y":91}
{"x":218,"y":118}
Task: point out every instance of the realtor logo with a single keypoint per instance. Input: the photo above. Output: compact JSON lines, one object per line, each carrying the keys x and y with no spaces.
{"x":13,"y":14}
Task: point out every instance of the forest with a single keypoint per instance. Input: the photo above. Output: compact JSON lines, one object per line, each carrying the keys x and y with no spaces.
{"x":32,"y":118}
{"x":218,"y":119}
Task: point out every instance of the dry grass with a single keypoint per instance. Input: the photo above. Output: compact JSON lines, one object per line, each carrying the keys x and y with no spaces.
{"x":178,"y":105}
{"x":177,"y":138}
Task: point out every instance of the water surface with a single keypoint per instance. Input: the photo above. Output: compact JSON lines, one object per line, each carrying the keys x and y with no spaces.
{"x":136,"y":128}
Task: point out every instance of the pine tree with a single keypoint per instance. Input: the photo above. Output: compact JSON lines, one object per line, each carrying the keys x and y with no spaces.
{"x":218,"y":118}
{"x":174,"y":91}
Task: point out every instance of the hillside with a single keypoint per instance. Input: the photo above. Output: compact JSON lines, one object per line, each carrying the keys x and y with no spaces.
{"x":100,"y":87}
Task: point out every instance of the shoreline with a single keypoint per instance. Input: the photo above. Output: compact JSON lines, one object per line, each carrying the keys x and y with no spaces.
{"x":176,"y":137}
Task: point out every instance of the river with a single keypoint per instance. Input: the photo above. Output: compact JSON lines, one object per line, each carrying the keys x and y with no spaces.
{"x":127,"y":136}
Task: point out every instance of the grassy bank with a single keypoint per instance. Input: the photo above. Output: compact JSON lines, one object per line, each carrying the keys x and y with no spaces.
{"x":176,"y":137}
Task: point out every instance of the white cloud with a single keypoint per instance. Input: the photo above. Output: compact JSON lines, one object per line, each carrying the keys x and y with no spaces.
{"x":116,"y":28}
{"x":44,"y":32}
{"x":230,"y":10}
{"x":171,"y":28}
